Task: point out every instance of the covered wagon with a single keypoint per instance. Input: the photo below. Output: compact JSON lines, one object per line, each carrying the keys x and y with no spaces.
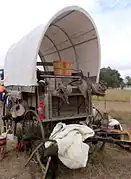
{"x":32,"y":65}
{"x":50,"y":76}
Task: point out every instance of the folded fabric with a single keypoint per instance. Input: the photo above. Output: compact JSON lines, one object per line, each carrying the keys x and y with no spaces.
{"x":72,"y":151}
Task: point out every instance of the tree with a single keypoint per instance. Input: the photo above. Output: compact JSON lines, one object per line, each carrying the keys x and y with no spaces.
{"x":111,"y":77}
{"x":128,"y":80}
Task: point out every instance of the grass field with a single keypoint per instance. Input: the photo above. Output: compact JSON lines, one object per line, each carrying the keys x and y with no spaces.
{"x":117,"y":102}
{"x":116,"y":95}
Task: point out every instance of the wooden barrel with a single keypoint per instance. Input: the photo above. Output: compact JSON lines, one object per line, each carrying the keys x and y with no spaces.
{"x":58,"y":67}
{"x":63,"y":67}
{"x":67,"y":68}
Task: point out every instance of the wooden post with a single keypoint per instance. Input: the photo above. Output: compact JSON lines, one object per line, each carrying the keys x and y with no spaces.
{"x":46,"y":101}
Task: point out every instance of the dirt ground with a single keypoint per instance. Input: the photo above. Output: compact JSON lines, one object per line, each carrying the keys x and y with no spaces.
{"x":111,"y":163}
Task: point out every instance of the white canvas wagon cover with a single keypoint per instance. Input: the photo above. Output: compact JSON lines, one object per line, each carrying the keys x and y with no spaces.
{"x":67,"y":34}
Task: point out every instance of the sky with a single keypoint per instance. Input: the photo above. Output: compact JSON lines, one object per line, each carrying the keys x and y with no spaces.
{"x":112,"y":18}
{"x":114,"y":24}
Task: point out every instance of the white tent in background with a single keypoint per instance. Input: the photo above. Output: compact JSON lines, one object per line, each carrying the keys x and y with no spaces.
{"x":67,"y":33}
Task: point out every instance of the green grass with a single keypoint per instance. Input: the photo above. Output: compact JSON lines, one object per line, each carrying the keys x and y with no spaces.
{"x":122,"y":116}
{"x":116,"y":95}
{"x":121,"y":108}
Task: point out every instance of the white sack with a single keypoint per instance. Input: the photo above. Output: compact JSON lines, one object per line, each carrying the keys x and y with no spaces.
{"x":72,"y":152}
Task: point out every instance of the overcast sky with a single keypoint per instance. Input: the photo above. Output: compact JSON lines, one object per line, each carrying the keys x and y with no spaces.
{"x":112,"y":17}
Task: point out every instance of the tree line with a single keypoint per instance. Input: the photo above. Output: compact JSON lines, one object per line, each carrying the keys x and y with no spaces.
{"x":111,"y":78}
{"x":128,"y":78}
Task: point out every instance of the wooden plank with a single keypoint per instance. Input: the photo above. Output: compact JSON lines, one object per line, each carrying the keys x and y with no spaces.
{"x":44,"y":64}
{"x":50,"y":106}
{"x":72,"y":94}
{"x":65,"y":118}
{"x":52,"y":73}
{"x":47,"y":167}
{"x":46,"y":101}
{"x":92,"y":78}
{"x":53,"y":76}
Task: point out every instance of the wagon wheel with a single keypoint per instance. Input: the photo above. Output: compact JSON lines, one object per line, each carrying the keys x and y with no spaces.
{"x":38,"y":153}
{"x":97,"y":120}
{"x":32,"y":128}
{"x":46,"y":158}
